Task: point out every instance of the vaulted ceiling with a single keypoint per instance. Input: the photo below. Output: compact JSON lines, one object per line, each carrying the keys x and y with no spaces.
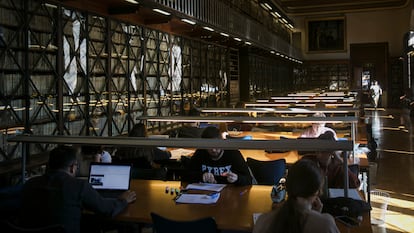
{"x":312,"y":7}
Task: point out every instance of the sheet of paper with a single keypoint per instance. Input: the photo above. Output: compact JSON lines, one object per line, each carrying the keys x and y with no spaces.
{"x":352,"y":193}
{"x":177,"y":153}
{"x":206,"y":186}
{"x":198,"y":198}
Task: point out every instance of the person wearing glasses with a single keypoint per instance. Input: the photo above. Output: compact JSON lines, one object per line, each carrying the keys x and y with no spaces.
{"x":58,"y":197}
{"x":301,"y":212}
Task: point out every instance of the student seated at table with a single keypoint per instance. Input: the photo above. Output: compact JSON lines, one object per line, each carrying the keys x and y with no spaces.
{"x":103,"y":156}
{"x":59,"y":198}
{"x":217,"y":165}
{"x":143,"y":158}
{"x":301,"y":212}
{"x":317,"y":128}
{"x":187,"y":130}
{"x":331,"y":165}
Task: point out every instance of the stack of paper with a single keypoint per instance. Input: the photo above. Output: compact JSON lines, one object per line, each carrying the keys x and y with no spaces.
{"x":177,"y":153}
{"x":198,"y":198}
{"x":206,"y":186}
{"x":209,"y":198}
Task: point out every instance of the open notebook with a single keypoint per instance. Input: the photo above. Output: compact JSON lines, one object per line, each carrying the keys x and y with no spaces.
{"x":110,"y":179}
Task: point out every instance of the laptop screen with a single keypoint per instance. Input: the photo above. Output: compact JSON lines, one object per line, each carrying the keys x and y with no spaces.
{"x":110,"y":176}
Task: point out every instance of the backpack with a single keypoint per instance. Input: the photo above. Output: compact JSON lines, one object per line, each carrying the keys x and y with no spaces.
{"x":340,"y":206}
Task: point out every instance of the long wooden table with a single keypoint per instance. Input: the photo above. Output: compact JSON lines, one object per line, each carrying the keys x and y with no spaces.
{"x":297,"y":144}
{"x":233,"y":211}
{"x":291,"y":156}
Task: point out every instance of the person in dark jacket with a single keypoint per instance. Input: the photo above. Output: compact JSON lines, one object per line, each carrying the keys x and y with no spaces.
{"x":142,"y":157}
{"x":147,"y":161}
{"x":58,"y":197}
{"x":218,"y":165}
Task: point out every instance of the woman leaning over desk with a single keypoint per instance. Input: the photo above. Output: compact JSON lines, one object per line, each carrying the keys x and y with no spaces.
{"x":301,"y":212}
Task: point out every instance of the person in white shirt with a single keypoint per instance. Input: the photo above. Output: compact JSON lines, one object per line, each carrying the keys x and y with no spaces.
{"x":317,"y":129}
{"x":376,"y":93}
{"x":104,"y":157}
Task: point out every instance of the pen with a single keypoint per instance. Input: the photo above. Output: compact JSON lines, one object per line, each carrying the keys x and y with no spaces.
{"x":177,"y":196}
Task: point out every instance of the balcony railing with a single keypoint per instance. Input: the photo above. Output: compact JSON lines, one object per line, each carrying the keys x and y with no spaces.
{"x":222,"y":17}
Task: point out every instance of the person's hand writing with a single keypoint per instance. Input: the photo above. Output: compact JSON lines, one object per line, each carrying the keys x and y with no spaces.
{"x":231,"y":176}
{"x":317,"y":204}
{"x":129,"y":196}
{"x":209,"y":178}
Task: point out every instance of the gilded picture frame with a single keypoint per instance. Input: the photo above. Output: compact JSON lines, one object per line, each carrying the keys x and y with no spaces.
{"x":326,"y":35}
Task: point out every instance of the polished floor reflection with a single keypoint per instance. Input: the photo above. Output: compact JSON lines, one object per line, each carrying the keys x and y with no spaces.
{"x":395,"y":173}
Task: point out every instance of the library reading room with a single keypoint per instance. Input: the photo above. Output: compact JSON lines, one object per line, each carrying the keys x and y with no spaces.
{"x":208,"y":116}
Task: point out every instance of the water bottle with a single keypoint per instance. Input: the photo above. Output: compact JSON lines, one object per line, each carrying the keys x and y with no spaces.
{"x":278,"y":193}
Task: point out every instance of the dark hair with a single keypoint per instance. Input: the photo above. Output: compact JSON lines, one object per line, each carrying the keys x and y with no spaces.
{"x":138,"y":130}
{"x":211,"y":132}
{"x":328,"y":135}
{"x":61,"y":157}
{"x":303,"y":180}
{"x":91,"y":149}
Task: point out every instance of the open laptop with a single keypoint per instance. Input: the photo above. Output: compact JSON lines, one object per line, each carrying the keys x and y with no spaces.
{"x":110,"y":179}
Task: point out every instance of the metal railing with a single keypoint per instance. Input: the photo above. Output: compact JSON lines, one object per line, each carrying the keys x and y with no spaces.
{"x":221,"y":16}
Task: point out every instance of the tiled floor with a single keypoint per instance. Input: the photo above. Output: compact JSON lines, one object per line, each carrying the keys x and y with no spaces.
{"x":395,"y":173}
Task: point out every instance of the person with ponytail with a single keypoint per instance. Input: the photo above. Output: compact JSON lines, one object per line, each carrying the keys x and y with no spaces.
{"x":301,"y":212}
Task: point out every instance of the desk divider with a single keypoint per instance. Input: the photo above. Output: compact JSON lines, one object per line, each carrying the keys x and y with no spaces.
{"x":288,"y":144}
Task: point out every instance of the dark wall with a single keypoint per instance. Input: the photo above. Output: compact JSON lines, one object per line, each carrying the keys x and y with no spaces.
{"x":372,"y":56}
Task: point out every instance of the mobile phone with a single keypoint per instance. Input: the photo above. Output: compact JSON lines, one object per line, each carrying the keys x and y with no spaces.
{"x":348,"y":221}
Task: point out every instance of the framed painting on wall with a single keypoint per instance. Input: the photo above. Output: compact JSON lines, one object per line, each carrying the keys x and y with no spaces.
{"x":326,"y":35}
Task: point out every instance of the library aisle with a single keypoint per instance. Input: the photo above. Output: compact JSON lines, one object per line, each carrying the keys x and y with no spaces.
{"x":395,"y":173}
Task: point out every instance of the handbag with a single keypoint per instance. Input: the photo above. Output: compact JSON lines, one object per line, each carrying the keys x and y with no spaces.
{"x":340,"y":206}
